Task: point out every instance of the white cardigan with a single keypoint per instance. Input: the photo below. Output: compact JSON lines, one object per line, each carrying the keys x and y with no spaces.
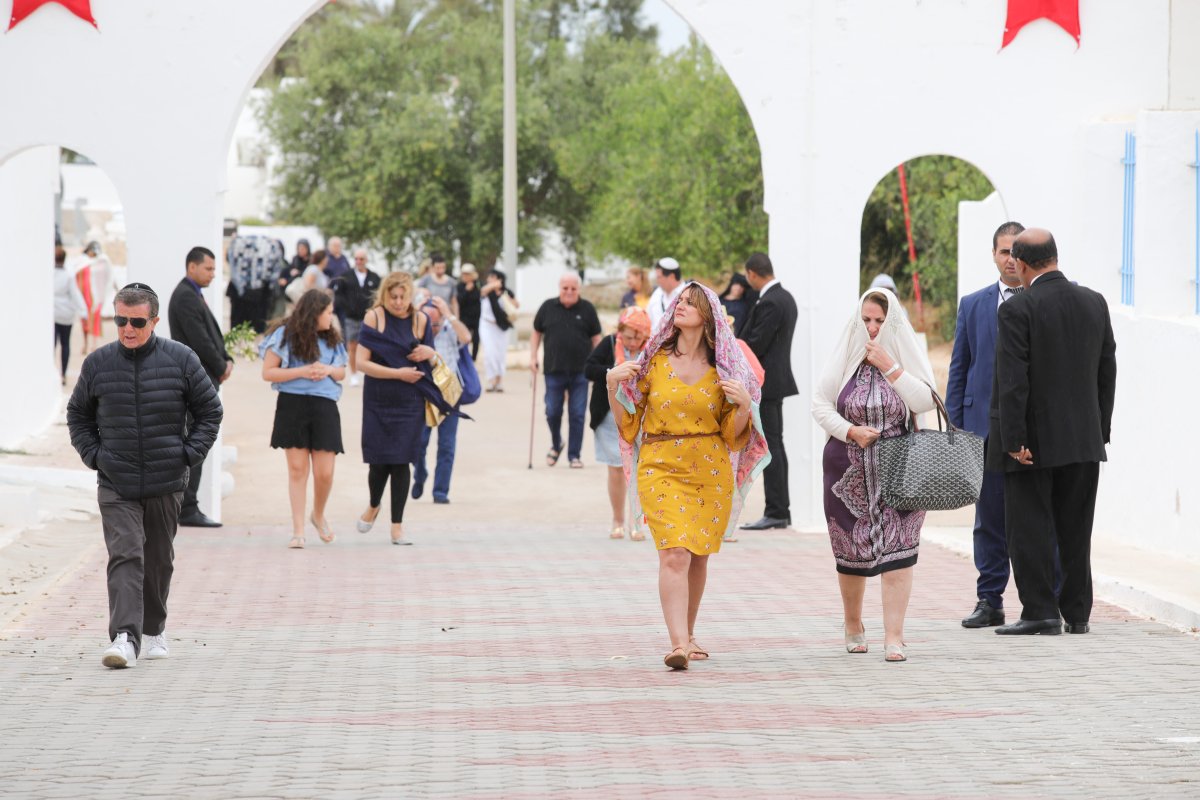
{"x":916,"y":394}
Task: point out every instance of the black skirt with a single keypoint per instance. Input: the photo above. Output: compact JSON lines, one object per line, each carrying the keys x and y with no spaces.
{"x":307,"y":422}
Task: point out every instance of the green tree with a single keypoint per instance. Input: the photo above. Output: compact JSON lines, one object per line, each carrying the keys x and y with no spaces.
{"x":391,"y":132}
{"x":673,"y":165}
{"x":936,"y":185}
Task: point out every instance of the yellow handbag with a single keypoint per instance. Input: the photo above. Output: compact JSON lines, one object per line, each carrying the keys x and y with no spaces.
{"x":448,"y":385}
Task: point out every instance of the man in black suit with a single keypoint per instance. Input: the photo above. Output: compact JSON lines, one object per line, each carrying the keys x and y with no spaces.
{"x":768,"y":330}
{"x":192,"y":323}
{"x":1052,"y":403}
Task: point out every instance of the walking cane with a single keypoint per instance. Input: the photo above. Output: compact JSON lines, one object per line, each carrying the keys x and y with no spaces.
{"x":532,"y":415}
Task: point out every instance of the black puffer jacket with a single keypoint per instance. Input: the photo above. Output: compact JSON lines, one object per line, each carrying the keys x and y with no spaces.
{"x":128,"y":416}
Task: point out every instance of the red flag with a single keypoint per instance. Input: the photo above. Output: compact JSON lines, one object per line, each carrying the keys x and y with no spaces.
{"x":23,"y":8}
{"x":1064,"y":13}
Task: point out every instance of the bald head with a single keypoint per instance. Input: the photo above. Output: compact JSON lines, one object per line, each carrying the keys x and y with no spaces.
{"x":1035,"y":252}
{"x":1036,"y":248}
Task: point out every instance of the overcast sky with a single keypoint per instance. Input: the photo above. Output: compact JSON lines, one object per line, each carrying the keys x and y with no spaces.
{"x":672,"y":31}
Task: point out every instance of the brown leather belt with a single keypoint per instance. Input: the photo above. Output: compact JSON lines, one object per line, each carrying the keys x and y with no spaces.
{"x":667,"y":437}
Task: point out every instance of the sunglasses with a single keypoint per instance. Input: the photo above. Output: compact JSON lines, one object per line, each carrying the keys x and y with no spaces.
{"x":137,"y":322}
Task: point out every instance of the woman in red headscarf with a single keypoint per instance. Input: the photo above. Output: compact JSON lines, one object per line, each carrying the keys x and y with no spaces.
{"x":633,"y":329}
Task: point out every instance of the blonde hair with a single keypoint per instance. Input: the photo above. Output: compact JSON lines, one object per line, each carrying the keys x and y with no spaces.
{"x":398,"y":280}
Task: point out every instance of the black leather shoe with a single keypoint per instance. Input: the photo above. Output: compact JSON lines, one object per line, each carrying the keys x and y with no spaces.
{"x":1029,"y":627}
{"x":1075,"y":627}
{"x":984,"y":616}
{"x":766,"y":524}
{"x":418,"y":489}
{"x":198,"y":520}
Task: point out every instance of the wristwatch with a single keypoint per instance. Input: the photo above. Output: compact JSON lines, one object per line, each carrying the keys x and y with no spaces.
{"x":895,"y":366}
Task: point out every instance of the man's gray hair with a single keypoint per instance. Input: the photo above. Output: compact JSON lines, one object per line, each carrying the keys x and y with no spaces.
{"x":137,"y":297}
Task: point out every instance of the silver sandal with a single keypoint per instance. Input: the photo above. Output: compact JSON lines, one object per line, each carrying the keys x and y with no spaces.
{"x":856,"y":643}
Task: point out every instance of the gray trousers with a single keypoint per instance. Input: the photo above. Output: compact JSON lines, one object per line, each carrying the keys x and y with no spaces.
{"x":140,"y":536}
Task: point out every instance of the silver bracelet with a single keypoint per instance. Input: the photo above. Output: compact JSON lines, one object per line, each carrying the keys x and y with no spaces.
{"x":895,"y":366}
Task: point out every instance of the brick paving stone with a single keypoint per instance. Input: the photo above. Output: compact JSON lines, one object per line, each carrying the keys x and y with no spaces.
{"x":524,"y":661}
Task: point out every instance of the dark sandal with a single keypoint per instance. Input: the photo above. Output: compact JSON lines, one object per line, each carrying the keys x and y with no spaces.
{"x":552,"y":457}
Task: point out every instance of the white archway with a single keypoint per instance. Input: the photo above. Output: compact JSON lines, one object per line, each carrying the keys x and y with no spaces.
{"x":172,"y":79}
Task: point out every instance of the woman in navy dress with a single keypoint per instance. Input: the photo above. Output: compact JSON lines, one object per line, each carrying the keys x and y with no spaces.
{"x":394,"y":351}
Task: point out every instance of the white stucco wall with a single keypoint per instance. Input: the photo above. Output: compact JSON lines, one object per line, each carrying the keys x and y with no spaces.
{"x":31,"y":397}
{"x":977,"y":221}
{"x":840,"y":91}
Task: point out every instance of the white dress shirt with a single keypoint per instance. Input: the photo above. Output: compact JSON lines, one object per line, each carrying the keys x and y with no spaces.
{"x":659,"y":302}
{"x":1006,"y":293}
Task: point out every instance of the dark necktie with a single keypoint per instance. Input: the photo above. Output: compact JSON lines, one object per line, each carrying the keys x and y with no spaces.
{"x":1012,"y":291}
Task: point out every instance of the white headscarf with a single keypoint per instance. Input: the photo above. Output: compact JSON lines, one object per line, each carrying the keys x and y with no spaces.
{"x":898,"y":338}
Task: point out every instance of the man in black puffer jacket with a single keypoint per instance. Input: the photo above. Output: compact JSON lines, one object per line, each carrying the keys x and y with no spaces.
{"x":127,"y":418}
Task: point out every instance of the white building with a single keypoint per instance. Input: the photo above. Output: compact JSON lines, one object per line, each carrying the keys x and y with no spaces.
{"x":840,"y":92}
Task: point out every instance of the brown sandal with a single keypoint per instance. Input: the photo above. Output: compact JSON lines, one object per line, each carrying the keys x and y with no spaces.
{"x":696,"y":652}
{"x":676,"y":659}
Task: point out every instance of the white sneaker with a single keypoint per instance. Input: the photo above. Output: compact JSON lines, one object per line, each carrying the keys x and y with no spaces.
{"x":355,"y":380}
{"x":155,"y":647}
{"x":120,"y":653}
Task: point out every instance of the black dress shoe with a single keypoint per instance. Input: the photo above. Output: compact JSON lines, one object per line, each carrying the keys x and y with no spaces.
{"x":198,"y":520}
{"x":418,"y":489}
{"x":1029,"y":627}
{"x":766,"y":523}
{"x":984,"y":616}
{"x":1075,"y":627}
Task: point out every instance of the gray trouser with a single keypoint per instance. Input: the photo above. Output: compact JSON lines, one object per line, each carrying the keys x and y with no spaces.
{"x":140,"y":536}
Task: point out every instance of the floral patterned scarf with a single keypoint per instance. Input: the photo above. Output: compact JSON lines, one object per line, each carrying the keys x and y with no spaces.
{"x":748,"y":462}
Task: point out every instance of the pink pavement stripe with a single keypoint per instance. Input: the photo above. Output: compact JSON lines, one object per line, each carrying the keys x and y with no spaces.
{"x":646,"y":717}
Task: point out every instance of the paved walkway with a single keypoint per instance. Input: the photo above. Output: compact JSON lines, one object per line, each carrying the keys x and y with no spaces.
{"x":504,"y":662}
{"x":507,"y":656}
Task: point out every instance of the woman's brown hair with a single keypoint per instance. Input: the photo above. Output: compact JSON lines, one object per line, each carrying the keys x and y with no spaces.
{"x":699,"y":301}
{"x":878,"y":299}
{"x":300,"y":332}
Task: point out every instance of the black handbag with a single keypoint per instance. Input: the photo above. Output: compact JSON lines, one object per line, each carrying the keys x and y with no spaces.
{"x":928,"y":470}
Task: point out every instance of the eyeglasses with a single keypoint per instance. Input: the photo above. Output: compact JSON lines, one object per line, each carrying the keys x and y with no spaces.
{"x":137,"y":322}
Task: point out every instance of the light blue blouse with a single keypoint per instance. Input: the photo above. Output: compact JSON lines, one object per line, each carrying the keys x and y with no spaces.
{"x":326,"y":387}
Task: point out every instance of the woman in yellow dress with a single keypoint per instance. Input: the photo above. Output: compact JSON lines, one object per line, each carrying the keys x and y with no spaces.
{"x":687,"y":411}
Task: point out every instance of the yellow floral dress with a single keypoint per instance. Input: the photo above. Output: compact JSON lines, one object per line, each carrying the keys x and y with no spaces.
{"x":685,"y":485}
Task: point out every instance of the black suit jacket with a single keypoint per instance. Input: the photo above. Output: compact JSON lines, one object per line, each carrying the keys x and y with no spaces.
{"x":1055,"y":377}
{"x":193,"y":324}
{"x":768,"y":330}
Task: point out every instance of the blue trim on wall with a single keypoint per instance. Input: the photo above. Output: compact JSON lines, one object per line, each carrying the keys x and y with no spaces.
{"x":1130,"y":162}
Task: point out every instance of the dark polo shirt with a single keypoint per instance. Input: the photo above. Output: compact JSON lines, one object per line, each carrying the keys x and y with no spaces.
{"x":566,"y":334}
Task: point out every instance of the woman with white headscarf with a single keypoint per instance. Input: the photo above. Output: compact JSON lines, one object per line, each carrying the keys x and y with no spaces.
{"x":878,"y":377}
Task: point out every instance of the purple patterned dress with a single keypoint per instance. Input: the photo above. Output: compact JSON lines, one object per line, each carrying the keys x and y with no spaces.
{"x":867,"y":537}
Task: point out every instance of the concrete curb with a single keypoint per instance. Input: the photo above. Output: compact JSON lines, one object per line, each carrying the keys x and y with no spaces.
{"x":1136,"y":597}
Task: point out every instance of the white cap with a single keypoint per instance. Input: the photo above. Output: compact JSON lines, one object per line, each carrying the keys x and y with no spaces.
{"x":884,"y":281}
{"x":667,"y":263}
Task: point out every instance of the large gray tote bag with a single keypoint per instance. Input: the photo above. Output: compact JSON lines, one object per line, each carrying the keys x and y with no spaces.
{"x":928,"y":470}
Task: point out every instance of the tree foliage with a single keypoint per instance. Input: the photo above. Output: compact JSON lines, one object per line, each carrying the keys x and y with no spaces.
{"x":389,"y":118}
{"x":936,"y":185}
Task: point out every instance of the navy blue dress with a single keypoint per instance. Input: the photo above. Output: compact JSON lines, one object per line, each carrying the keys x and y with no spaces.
{"x":393,"y":410}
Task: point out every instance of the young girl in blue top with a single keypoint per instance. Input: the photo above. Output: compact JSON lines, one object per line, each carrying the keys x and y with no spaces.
{"x":305,"y":361}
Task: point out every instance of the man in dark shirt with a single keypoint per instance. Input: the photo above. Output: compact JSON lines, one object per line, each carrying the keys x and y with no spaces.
{"x":338,"y":264}
{"x":572,"y":330}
